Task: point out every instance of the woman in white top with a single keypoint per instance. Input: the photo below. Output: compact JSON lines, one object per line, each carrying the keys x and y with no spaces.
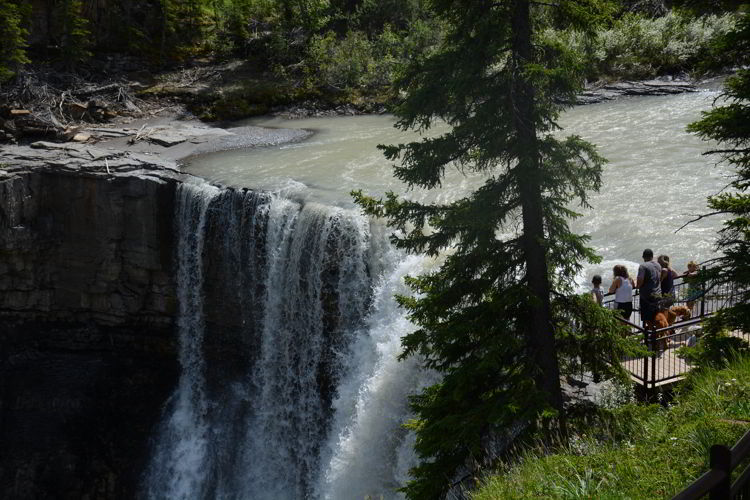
{"x":622,"y":286}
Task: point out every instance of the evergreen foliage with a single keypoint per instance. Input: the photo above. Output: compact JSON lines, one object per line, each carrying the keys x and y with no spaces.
{"x":76,"y":37}
{"x":590,"y":339}
{"x":485,"y":318}
{"x":349,"y":45}
{"x":729,"y":125}
{"x":13,"y":34}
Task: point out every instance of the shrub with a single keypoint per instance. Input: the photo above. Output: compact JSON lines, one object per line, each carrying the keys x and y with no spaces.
{"x":640,"y":47}
{"x":714,"y":349}
{"x":356,"y":61}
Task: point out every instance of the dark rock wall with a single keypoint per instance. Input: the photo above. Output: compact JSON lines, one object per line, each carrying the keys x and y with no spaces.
{"x":87,"y":337}
{"x":76,"y":248}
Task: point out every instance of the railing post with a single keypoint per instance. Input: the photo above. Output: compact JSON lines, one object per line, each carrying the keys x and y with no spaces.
{"x":655,"y":350}
{"x":703,"y":298}
{"x":645,"y":360}
{"x":721,"y":460}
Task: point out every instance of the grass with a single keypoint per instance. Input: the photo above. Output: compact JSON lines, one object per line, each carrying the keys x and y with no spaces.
{"x":635,"y":451}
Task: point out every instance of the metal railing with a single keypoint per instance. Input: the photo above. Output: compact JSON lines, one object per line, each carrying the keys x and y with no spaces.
{"x":663,"y":365}
{"x":717,"y":482}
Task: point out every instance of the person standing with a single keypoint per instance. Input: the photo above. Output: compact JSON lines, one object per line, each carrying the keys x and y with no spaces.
{"x":649,"y":284}
{"x":667,"y":276}
{"x":622,"y":286}
{"x":694,"y":291}
{"x":596,"y":292}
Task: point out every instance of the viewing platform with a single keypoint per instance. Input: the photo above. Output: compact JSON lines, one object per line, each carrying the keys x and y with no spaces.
{"x":666,"y":367}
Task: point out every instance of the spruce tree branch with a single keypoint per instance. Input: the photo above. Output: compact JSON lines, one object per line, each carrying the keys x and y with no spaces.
{"x":724,"y":151}
{"x":545,"y":3}
{"x":699,"y":217}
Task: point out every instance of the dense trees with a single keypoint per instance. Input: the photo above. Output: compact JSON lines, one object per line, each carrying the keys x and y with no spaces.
{"x":729,"y":125}
{"x":13,"y":35}
{"x":75,"y":36}
{"x":486,"y":319}
{"x":147,"y":26}
{"x":351,"y":43}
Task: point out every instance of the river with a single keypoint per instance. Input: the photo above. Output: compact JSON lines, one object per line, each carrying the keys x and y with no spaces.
{"x":655,"y":181}
{"x":317,"y":410}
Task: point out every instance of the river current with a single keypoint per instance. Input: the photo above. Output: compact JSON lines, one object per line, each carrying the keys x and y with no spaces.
{"x":656,"y":178}
{"x":316,"y":409}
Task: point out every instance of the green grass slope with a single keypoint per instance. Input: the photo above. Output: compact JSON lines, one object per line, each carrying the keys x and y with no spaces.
{"x":636,"y":451}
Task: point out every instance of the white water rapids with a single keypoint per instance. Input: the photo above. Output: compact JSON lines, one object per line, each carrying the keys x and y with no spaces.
{"x":317,"y":410}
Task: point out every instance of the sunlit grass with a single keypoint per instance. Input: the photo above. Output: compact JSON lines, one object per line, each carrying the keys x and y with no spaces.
{"x":639,"y":451}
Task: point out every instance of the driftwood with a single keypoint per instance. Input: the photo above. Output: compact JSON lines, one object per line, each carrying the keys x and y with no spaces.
{"x":117,"y":87}
{"x":46,"y":104}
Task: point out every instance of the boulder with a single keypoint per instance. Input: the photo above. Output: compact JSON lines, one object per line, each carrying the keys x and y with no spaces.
{"x":167,"y":137}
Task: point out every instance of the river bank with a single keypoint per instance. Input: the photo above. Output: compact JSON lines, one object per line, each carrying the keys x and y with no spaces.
{"x":45,"y":105}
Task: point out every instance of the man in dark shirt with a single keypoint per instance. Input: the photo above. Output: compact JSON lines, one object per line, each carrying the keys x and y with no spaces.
{"x":649,"y":278}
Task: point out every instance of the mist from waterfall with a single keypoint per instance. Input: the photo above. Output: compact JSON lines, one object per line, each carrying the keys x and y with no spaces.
{"x":315,"y":406}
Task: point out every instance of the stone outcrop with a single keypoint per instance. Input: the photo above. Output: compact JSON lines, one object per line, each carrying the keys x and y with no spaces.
{"x":611,"y":91}
{"x":79,"y":244}
{"x":88,"y":347}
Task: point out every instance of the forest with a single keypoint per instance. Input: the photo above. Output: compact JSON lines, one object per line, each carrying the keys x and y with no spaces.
{"x":346,"y":48}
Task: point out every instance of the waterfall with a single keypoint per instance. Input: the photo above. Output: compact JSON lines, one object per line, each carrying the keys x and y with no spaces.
{"x":177,"y":470}
{"x":289,"y":334}
{"x":369,"y":452}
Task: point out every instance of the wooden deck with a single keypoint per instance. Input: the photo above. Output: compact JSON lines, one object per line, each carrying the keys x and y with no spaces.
{"x":667,"y":368}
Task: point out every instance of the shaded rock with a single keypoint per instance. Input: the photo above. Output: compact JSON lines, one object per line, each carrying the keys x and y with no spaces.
{"x":78,"y":406}
{"x":88,"y":347}
{"x":610,"y":91}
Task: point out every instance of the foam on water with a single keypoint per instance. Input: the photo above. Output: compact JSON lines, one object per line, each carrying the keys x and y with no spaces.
{"x":655,"y":181}
{"x":317,"y":411}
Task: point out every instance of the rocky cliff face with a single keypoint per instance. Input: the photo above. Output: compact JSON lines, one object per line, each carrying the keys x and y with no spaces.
{"x":87,"y":315}
{"x":84,"y":249}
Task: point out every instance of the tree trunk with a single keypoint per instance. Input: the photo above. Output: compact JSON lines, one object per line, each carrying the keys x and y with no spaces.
{"x":541,"y":335}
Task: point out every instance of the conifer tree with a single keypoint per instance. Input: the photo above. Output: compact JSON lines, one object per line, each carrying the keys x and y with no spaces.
{"x":485,"y":320}
{"x":729,"y":125}
{"x":14,"y":37}
{"x":76,"y":37}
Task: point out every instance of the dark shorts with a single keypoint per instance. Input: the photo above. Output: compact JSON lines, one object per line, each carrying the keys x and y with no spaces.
{"x":649,"y":308}
{"x":625,"y":308}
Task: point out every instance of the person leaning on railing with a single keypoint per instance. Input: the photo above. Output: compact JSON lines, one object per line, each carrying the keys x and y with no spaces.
{"x":667,"y":276}
{"x":694,"y":291}
{"x":622,"y":286}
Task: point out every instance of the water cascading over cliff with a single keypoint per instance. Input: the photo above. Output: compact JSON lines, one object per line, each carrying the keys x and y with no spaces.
{"x":305,"y":398}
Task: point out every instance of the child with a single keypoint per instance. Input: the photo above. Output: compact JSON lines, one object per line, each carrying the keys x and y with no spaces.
{"x":596,"y":293}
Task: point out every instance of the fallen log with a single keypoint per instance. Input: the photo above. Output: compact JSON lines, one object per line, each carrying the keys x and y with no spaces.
{"x":96,"y":90}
